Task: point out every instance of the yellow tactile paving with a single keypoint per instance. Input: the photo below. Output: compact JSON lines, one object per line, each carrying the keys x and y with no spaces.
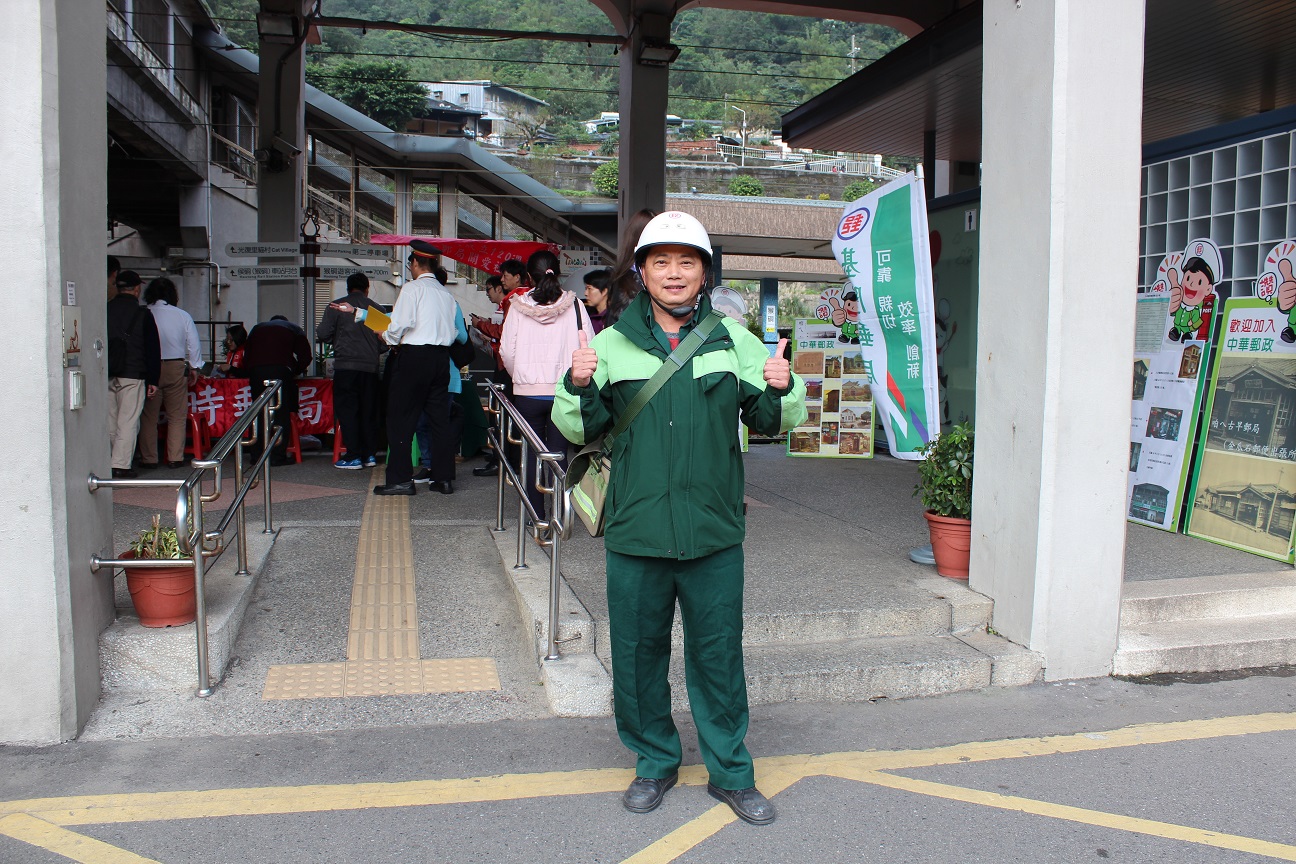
{"x":44,"y":822}
{"x":382,"y":636}
{"x":460,"y":676}
{"x":305,"y":681}
{"x":382,"y":645}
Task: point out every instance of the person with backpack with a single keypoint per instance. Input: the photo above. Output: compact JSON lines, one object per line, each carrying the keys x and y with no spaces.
{"x":674,"y":508}
{"x":134,"y":365}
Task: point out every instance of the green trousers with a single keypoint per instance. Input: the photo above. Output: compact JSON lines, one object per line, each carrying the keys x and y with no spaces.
{"x":641,"y":606}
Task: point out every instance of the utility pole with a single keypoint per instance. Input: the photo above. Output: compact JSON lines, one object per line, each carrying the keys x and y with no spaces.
{"x":854,"y":52}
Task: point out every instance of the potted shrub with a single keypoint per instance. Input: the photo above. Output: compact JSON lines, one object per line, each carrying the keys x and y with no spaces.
{"x":945,"y":486}
{"x":163,"y":596}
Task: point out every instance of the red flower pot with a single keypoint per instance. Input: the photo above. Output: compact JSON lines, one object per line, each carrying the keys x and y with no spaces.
{"x":951,"y":544}
{"x":163,"y":596}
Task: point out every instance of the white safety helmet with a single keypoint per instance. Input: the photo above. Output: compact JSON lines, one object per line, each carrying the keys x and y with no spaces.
{"x":674,"y":227}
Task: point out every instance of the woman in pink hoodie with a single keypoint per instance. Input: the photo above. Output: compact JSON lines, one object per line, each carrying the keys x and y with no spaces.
{"x":540,"y":334}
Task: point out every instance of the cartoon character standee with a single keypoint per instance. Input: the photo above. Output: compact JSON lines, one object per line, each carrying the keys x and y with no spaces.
{"x":1287,"y":299}
{"x":845,"y":314}
{"x":1188,"y":294}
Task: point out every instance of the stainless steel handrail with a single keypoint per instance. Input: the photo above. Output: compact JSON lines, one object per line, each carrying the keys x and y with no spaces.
{"x":512,"y":428}
{"x":190,"y":530}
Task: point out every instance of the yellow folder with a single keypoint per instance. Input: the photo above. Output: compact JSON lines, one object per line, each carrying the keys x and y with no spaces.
{"x":377,"y":320}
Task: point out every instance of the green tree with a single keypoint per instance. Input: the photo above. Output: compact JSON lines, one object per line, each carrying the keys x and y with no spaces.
{"x":745,"y":184}
{"x":607,"y":179}
{"x":381,"y":89}
{"x":858,"y":189}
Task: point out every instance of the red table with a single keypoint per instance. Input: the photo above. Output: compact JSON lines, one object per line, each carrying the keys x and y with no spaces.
{"x":218,"y":402}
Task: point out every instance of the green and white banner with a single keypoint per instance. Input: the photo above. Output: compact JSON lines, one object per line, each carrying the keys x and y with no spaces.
{"x":882,"y":246}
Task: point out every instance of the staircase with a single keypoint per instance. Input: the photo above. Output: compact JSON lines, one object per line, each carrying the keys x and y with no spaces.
{"x":921,"y":636}
{"x":1207,"y":624}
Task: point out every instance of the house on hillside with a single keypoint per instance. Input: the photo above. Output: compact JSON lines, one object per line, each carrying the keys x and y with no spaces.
{"x":502,"y":110}
{"x":446,"y":119}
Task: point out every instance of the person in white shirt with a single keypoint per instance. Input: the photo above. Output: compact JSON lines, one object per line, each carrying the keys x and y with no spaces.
{"x":424,"y":321}
{"x":181,"y":358}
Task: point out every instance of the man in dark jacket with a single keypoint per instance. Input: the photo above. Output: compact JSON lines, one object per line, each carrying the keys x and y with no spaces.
{"x":356,"y":350}
{"x":278,"y":350}
{"x":134,"y":363}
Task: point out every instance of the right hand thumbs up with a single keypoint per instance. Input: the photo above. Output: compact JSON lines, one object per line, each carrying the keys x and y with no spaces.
{"x":584,"y":362}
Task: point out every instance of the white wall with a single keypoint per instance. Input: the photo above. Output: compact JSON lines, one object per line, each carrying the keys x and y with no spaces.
{"x":53,"y":211}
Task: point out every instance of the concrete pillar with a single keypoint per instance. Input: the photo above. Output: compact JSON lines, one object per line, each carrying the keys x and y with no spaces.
{"x":642,"y":161}
{"x":281,"y":130}
{"x":769,"y":308}
{"x":1059,"y":249}
{"x":53,"y":211}
{"x":930,"y":168}
{"x":403,"y":217}
{"x":448,"y":211}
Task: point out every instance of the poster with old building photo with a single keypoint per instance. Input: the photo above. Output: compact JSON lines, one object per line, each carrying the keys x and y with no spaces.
{"x":1244,"y":491}
{"x":839,"y":394}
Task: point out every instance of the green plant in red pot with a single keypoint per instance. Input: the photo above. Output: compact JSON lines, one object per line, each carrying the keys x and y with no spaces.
{"x":163,"y":596}
{"x":945,"y":487}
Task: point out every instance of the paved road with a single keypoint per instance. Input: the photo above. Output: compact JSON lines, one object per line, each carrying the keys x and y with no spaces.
{"x":1097,"y":770}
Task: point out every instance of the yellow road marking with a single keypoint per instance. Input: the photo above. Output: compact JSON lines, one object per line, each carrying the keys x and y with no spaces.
{"x":1170,"y":831}
{"x":69,"y":844}
{"x":690,"y":834}
{"x":774,"y":774}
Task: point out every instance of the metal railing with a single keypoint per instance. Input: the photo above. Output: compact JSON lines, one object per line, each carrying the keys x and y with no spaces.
{"x":201,"y":546}
{"x":511,"y":428}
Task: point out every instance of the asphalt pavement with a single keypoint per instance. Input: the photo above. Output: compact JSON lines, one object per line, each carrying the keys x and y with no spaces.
{"x":1096,"y":770}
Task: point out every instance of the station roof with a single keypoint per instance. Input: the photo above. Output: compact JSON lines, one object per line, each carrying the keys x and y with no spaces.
{"x":1206,"y":63}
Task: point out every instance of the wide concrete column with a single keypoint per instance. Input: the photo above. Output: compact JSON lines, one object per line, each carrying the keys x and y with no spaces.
{"x":281,"y":140}
{"x":642,"y":161}
{"x":448,"y":212}
{"x":53,"y":211}
{"x":1059,"y":255}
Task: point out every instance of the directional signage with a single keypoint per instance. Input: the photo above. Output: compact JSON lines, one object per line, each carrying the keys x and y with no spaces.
{"x":251,"y":247}
{"x":348,"y":250}
{"x":267,"y":272}
{"x":327,"y":272}
{"x":356,"y":250}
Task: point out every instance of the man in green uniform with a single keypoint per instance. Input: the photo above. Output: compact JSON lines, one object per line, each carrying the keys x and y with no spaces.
{"x":674,"y":510}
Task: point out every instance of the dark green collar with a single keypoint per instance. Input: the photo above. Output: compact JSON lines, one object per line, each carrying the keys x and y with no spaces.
{"x":639,"y":326}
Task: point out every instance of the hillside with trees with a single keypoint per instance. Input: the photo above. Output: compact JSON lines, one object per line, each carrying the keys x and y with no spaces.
{"x":764,"y":64}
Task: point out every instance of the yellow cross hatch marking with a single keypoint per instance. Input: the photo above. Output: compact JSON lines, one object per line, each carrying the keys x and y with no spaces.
{"x":43,"y":821}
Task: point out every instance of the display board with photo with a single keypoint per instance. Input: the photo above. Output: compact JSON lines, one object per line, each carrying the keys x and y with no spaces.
{"x":839,"y":394}
{"x":1173,"y":330}
{"x":1244,"y":488}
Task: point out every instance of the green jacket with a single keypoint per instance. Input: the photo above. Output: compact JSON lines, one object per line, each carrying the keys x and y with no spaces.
{"x":677,"y":472}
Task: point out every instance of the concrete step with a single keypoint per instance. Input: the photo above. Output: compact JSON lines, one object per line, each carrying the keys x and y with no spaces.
{"x":1205,"y":597}
{"x":1207,"y":644}
{"x":859,"y":670}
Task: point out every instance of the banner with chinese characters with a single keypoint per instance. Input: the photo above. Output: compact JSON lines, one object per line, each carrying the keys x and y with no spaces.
{"x":887,"y":308}
{"x":1172,"y":340}
{"x":839,"y":397}
{"x":1244,"y":486}
{"x":218,"y":402}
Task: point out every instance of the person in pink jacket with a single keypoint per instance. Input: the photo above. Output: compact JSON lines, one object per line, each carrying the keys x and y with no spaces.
{"x":540,"y":334}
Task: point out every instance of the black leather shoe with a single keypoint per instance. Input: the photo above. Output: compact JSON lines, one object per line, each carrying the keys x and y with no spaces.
{"x":124,"y":474}
{"x":645,"y":794}
{"x":395,"y":489}
{"x":176,"y":464}
{"x":445,"y":487}
{"x":491,"y":470}
{"x":423,"y":475}
{"x":147,"y":466}
{"x":749,"y":804}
